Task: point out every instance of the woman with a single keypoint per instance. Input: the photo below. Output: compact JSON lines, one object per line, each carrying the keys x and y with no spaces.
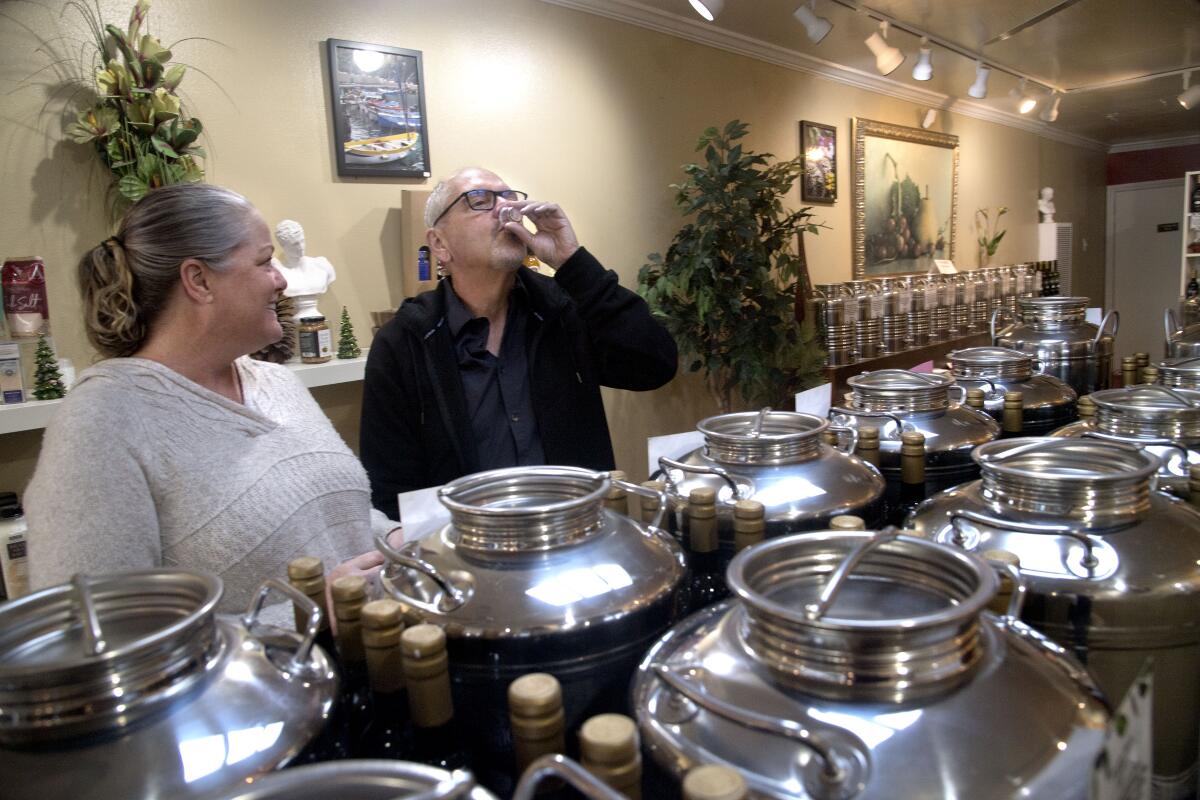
{"x":180,"y":450}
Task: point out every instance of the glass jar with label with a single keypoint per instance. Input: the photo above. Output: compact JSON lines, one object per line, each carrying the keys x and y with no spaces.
{"x":316,"y":342}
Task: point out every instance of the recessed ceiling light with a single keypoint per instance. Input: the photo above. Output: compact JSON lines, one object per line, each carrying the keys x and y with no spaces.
{"x":923,"y":69}
{"x":816,"y":27}
{"x":887,"y":58}
{"x":978,"y":89}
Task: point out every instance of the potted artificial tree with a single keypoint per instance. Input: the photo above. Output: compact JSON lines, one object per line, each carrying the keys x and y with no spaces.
{"x":733,"y":279}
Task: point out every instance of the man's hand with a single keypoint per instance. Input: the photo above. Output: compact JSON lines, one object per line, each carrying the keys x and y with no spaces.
{"x":554,"y":242}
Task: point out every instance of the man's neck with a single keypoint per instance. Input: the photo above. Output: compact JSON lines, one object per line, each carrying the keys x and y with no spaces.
{"x":485,"y":293}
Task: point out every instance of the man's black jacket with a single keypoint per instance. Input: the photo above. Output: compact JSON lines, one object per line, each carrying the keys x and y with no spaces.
{"x":585,"y":331}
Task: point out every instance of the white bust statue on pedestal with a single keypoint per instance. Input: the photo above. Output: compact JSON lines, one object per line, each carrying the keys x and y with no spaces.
{"x":307,"y":276}
{"x":1046,"y":205}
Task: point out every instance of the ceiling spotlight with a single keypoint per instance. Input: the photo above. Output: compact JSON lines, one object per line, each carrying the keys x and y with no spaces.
{"x":929,"y":118}
{"x":1049,"y":111}
{"x":709,"y":9}
{"x":1025,"y":101}
{"x":816,"y":27}
{"x":887,"y":58}
{"x":1190,"y":97}
{"x":978,"y":89}
{"x":923,"y":70}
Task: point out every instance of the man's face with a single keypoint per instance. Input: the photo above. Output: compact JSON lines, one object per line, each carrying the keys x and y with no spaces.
{"x":477,"y":239}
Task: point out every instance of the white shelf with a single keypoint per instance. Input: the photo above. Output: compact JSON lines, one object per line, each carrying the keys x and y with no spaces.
{"x":34,"y":414}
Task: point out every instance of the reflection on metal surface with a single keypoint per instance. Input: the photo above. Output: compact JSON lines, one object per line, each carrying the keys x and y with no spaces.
{"x":573,"y":585}
{"x":204,"y":755}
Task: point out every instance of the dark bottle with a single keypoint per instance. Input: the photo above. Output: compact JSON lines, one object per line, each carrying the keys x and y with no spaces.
{"x":423,"y":270}
{"x":609,"y":748}
{"x":308,"y":575}
{"x":436,"y":738}
{"x":388,"y":733}
{"x":912,"y":473}
{"x":706,"y":579}
{"x":354,"y":698}
{"x":1196,"y":199}
{"x":535,"y":715}
{"x":749,"y":524}
{"x":1193,"y":287}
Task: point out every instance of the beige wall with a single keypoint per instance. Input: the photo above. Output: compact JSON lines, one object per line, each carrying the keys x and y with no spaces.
{"x":592,"y":113}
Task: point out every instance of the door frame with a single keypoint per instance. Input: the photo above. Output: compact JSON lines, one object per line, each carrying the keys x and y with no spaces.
{"x":1110,"y":231}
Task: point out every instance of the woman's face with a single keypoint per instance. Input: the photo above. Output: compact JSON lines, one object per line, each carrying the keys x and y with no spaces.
{"x":247,"y":289}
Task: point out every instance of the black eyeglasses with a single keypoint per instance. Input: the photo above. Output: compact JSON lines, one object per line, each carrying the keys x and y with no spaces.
{"x":482,"y":200}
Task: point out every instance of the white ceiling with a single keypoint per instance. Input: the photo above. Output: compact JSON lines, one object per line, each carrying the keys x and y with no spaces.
{"x":1080,"y":47}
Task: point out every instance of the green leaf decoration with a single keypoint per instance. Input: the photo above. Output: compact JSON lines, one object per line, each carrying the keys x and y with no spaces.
{"x":163,"y":147}
{"x":132,"y":187}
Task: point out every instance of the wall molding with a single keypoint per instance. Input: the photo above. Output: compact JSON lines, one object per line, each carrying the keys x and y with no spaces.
{"x":634,"y":13}
{"x":1152,"y":144}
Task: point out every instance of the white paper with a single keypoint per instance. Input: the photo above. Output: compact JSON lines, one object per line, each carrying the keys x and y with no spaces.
{"x":421,"y":513}
{"x":674,"y":445}
{"x":1094,"y":315}
{"x":816,"y":400}
{"x":1122,"y":770}
{"x":945,"y":266}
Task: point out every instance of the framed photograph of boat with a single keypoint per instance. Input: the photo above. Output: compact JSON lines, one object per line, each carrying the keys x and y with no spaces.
{"x":818,"y":143}
{"x":377,"y":94}
{"x":905,"y":198}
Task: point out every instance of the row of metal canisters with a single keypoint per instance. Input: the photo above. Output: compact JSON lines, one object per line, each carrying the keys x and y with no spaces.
{"x":863,"y":319}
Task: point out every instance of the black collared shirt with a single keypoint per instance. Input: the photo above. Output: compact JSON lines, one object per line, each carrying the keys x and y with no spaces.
{"x":497,"y":388}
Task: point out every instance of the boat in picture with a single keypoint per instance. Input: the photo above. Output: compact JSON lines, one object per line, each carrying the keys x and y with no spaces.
{"x":380,"y":149}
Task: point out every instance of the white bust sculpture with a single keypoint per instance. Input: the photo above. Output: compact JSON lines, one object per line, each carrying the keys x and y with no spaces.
{"x":1046,"y":205}
{"x":304,"y":274}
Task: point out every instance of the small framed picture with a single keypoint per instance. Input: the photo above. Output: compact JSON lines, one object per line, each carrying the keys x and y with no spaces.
{"x":818,"y":143}
{"x":377,"y":95}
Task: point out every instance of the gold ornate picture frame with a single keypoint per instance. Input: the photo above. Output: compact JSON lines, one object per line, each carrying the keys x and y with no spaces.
{"x":905,"y":210}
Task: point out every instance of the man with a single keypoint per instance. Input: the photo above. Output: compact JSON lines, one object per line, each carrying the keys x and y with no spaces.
{"x":500,"y":366}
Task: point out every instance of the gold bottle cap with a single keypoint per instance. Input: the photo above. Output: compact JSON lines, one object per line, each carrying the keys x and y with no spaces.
{"x":748,"y":509}
{"x":1013,"y":397}
{"x":349,"y":588}
{"x":1131,"y":360}
{"x":382,"y":614}
{"x":614,"y":491}
{"x":847,"y":522}
{"x":534,"y":694}
{"x":608,"y":739}
{"x":913,"y":438}
{"x":975,"y":395}
{"x":713,"y":782}
{"x":305,"y":567}
{"x":423,"y":641}
{"x":703,"y":496}
{"x":867,"y":433}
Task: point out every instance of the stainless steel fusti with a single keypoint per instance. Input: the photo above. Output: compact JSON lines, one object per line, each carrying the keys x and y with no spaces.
{"x":1112,"y":568}
{"x":1181,"y":341}
{"x":1054,"y":330}
{"x":533,"y":574}
{"x":129,"y":685}
{"x":362,"y":780}
{"x":1180,"y":373}
{"x":856,"y":664}
{"x":779,"y":459}
{"x":1047,"y":402}
{"x":897,"y":400}
{"x":1162,"y":419}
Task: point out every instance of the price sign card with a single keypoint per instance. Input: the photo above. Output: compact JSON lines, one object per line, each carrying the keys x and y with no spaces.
{"x":945,"y":266}
{"x":1122,"y":770}
{"x":421,"y":513}
{"x":815,"y":400}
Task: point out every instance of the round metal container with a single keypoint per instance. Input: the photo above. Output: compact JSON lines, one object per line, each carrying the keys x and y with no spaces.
{"x":129,"y":685}
{"x":361,"y":780}
{"x":897,"y":400}
{"x":1182,"y":341}
{"x":1053,"y":330}
{"x":1164,"y":420}
{"x":534,"y":574}
{"x":1180,"y":373}
{"x":777,"y":458}
{"x":856,"y":664}
{"x":1047,"y":402}
{"x":1112,"y":569}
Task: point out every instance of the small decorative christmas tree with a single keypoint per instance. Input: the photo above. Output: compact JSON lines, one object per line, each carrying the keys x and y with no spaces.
{"x":48,"y":383}
{"x":347,"y":343}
